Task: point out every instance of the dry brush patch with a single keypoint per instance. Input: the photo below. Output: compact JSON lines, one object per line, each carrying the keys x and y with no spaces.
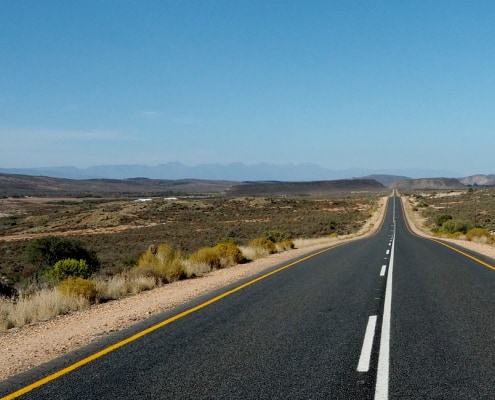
{"x":119,"y":231}
{"x":165,"y":263}
{"x":40,"y":306}
{"x":464,"y":215}
{"x":157,"y":266}
{"x":422,"y":226}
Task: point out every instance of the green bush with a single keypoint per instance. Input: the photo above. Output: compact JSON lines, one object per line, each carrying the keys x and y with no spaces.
{"x":452,"y":226}
{"x":264,"y":244}
{"x":45,"y":252}
{"x":70,"y":268}
{"x":449,"y":226}
{"x":463,"y":227}
{"x":442,"y":219}
{"x":79,"y":287}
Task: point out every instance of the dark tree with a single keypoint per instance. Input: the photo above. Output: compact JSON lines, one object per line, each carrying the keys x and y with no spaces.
{"x":45,"y":252}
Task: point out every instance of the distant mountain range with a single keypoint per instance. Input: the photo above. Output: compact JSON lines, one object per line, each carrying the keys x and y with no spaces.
{"x":18,"y":185}
{"x":231,"y":172}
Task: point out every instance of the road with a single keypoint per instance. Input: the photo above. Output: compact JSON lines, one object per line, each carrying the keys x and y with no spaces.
{"x":391,"y":316}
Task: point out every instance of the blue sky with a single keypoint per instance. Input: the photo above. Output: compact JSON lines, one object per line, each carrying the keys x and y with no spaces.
{"x":382,"y":85}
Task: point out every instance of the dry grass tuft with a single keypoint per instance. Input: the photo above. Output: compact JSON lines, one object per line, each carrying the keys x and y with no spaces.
{"x":40,"y":306}
{"x":301,"y":243}
{"x":195,"y":269}
{"x":264,"y":245}
{"x":163,"y":263}
{"x":119,"y":286}
{"x":254,"y":253}
{"x":284,"y":245}
{"x":479,"y":235}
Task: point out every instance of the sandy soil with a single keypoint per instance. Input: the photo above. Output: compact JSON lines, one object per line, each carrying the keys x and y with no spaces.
{"x":33,"y":345}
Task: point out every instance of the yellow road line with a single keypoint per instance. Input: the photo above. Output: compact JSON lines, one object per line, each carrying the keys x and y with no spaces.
{"x":153,"y":328}
{"x":464,"y":254}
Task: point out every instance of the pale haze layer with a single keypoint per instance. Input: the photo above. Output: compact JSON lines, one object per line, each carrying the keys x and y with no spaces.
{"x":382,"y":85}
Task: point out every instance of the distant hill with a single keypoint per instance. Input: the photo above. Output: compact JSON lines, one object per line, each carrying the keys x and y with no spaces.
{"x":307,"y":188}
{"x":23,"y":185}
{"x":479,"y":180}
{"x":386,"y":180}
{"x":429,"y":184}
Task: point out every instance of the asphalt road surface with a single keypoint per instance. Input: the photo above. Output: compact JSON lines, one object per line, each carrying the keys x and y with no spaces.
{"x":392,"y":316}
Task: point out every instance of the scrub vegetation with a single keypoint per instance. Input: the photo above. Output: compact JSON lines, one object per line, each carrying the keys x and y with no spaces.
{"x":64,"y":256}
{"x":467,"y":214}
{"x":75,"y":290}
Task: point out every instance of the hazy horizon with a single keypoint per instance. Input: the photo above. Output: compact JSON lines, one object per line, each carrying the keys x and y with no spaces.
{"x":234,"y":171}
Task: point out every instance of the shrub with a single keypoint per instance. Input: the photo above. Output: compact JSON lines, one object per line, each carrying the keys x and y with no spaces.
{"x":208,"y":256}
{"x":284,"y":245}
{"x":449,"y":226}
{"x":453,"y":226}
{"x":166,"y":253}
{"x":115,"y":287}
{"x":442,"y":219}
{"x":264,"y":244}
{"x":70,"y":267}
{"x":277,"y":236}
{"x":41,"y":306}
{"x":229,"y":254}
{"x":480,"y":235}
{"x":463,"y":227}
{"x":6,"y":308}
{"x":253,"y":253}
{"x":121,"y":285}
{"x":195,"y":269}
{"x":140,"y":284}
{"x":45,"y":252}
{"x":164,"y":263}
{"x":78,"y":287}
{"x":224,"y":254}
